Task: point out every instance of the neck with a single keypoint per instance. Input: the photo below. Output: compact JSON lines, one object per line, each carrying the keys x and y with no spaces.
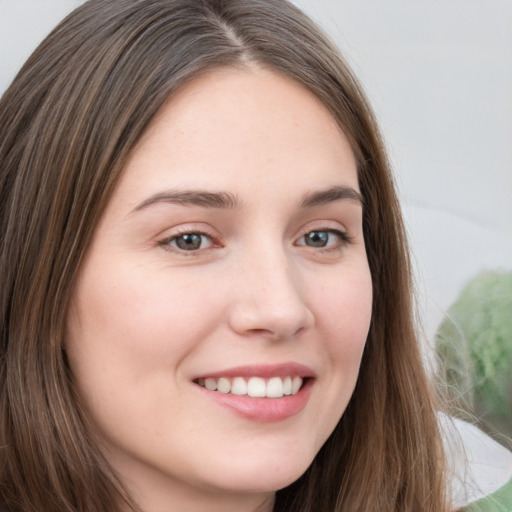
{"x":152,"y":497}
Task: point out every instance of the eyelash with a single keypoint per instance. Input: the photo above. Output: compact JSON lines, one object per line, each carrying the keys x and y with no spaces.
{"x":344,"y":237}
{"x":166,"y":243}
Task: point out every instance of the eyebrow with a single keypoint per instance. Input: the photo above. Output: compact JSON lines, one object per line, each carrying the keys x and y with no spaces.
{"x":229,"y":201}
{"x":203,"y":198}
{"x":331,"y":195}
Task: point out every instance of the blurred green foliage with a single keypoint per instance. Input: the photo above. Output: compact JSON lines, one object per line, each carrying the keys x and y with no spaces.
{"x":474,"y":343}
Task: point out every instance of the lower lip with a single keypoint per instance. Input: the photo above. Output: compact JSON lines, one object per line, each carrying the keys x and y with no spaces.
{"x":263,"y":410}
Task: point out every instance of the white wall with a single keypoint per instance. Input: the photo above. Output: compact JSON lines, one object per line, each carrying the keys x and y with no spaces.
{"x":23,"y":25}
{"x":439,"y":74}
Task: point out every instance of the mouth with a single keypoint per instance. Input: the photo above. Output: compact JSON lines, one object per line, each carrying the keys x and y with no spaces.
{"x":264,"y":394}
{"x":255,"y":387}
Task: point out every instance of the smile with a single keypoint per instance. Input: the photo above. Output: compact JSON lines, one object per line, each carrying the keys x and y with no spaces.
{"x":256,"y":387}
{"x":259,"y":393}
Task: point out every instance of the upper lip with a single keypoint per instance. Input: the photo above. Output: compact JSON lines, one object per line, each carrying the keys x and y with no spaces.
{"x":289,"y":369}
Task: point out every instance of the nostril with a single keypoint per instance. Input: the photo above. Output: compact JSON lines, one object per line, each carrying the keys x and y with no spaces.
{"x":272,"y":322}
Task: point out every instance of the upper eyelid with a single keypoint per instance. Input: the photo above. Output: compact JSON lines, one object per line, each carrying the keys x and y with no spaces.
{"x":343,"y":234}
{"x":332,"y":226}
{"x":322,"y":227}
{"x":165,"y":242}
{"x":200,"y":233}
{"x":188,"y":228}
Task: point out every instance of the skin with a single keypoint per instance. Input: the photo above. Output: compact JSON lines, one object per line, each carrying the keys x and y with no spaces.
{"x":148,"y":317}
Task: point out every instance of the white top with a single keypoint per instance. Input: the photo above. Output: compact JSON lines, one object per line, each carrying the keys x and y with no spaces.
{"x":479,"y":465}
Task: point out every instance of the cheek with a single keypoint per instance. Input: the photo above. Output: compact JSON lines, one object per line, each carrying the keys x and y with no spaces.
{"x":343,"y":309}
{"x":127,"y":322}
{"x":344,"y":313}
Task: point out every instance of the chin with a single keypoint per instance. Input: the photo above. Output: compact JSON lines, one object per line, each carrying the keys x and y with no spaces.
{"x":265,"y":474}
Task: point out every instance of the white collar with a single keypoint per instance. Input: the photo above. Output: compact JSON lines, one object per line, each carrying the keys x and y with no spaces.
{"x":478,"y":465}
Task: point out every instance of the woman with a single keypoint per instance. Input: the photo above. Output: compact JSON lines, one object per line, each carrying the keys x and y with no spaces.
{"x":206,"y":299}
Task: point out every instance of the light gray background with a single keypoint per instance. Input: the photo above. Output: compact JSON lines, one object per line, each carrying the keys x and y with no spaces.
{"x":439,"y":75}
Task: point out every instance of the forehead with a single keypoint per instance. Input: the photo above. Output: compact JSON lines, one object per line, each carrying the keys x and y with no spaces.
{"x":235,"y":128}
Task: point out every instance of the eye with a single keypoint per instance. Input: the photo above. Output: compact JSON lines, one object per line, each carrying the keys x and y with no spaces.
{"x":324,"y":238}
{"x":191,"y":241}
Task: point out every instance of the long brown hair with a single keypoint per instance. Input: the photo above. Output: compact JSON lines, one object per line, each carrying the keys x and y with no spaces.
{"x":67,"y":125}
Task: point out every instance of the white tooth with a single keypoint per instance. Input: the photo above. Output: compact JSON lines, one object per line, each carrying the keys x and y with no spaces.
{"x":275,"y":387}
{"x":200,"y":382}
{"x":296,"y":384}
{"x":256,"y":387}
{"x":223,"y":385}
{"x":239,"y":386}
{"x":287,"y":386}
{"x":210,"y":384}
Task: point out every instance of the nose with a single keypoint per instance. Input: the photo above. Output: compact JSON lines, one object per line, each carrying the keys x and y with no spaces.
{"x":269,"y":299}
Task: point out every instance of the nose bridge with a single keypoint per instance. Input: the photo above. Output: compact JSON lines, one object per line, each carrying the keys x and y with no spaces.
{"x":270,"y":296}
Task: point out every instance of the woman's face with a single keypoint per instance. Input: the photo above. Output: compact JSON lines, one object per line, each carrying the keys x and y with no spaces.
{"x":231,"y":256}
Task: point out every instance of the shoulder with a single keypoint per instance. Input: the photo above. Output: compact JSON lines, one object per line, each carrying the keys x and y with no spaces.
{"x":499,"y":501}
{"x":480,"y":469}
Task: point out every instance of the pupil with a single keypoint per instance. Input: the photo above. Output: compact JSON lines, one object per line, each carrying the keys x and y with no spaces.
{"x":189,"y":242}
{"x":317,"y":239}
